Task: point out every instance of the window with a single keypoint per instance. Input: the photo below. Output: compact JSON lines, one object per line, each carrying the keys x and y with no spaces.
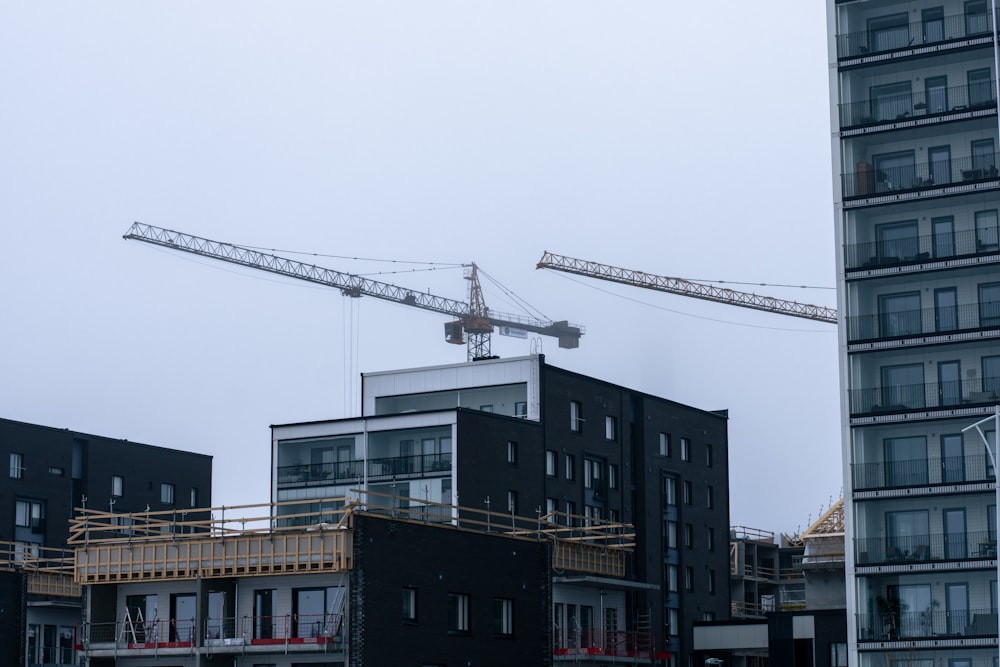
{"x":614,"y":516}
{"x":669,"y":490}
{"x":610,"y":428}
{"x":56,"y":471}
{"x":570,"y":513}
{"x":593,"y":514}
{"x":708,"y":456}
{"x":989,"y":305}
{"x":688,"y":535}
{"x":689,"y":578}
{"x":711,"y":581}
{"x":672,"y":578}
{"x":551,"y":507}
{"x":458,"y":613}
{"x":503,"y":617}
{"x":551,"y":463}
{"x":671,"y":534}
{"x":688,"y":492}
{"x":410,"y":605}
{"x":30,"y":514}
{"x":838,"y":655}
{"x":977,"y":18}
{"x":570,"y":467}
{"x":672,"y":623}
{"x":888,"y":32}
{"x":943,"y":236}
{"x":486,"y":408}
{"x":983,"y":159}
{"x":991,"y":374}
{"x":895,"y":171}
{"x":574,"y":416}
{"x":710,"y":539}
{"x":903,"y":386}
{"x":891,"y":101}
{"x":592,"y":474}
{"x":167,"y":494}
{"x":710,"y":496}
{"x":899,"y":314}
{"x":939,"y":166}
{"x":980,"y":87}
{"x":512,"y":502}
{"x":511,"y":451}
{"x":612,"y":476}
{"x":986,"y":231}
{"x":905,"y":460}
{"x":117,"y":486}
{"x":521,"y":409}
{"x":194,"y":497}
{"x":945,"y":309}
{"x":16,"y":465}
{"x":685,"y":449}
{"x":708,"y":615}
{"x":664,"y":444}
{"x":933,"y":22}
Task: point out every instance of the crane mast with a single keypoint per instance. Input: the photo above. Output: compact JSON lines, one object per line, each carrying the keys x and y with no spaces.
{"x":473,"y":318}
{"x":683,"y":287}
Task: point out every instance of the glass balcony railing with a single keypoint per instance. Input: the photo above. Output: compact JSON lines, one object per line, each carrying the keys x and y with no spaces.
{"x":917,"y":249}
{"x":318,"y":474}
{"x":920,"y":104}
{"x":885,"y":36}
{"x":913,"y":397}
{"x":971,"y":545}
{"x":904,"y":323}
{"x":871,"y":181}
{"x":929,"y":623}
{"x":921,"y":472}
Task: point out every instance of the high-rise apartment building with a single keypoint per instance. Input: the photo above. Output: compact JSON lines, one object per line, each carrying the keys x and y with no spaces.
{"x":916,"y":195}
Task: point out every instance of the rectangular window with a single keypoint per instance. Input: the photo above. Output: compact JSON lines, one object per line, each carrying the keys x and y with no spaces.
{"x":943,"y":236}
{"x":512,"y":502}
{"x":708,"y":456}
{"x":688,"y":492}
{"x":664,"y":444}
{"x":669,"y":490}
{"x":503,"y":617}
{"x":610,"y":428}
{"x":593,"y":514}
{"x":614,"y":516}
{"x":710,"y":496}
{"x":570,"y":513}
{"x":896,"y":241}
{"x":980,"y":87}
{"x":894,"y":171}
{"x":689,"y":578}
{"x":30,"y":514}
{"x":891,"y":101}
{"x":991,"y":375}
{"x":551,"y":463}
{"x":511,"y":451}
{"x":117,"y":486}
{"x":672,"y":578}
{"x":671,"y":536}
{"x":710,"y":539}
{"x":570,"y":467}
{"x":592,"y":474}
{"x":551,"y":507}
{"x":711,"y":581}
{"x":167,"y":494}
{"x":984,"y":163}
{"x":16,"y":465}
{"x":838,"y":655}
{"x":986,"y":231}
{"x":903,"y":386}
{"x":899,"y":314}
{"x":673,"y":626}
{"x":194,"y":497}
{"x":56,"y":471}
{"x":688,"y":535}
{"x":410,"y":605}
{"x":486,"y":408}
{"x":458,"y":613}
{"x":685,"y":449}
{"x":989,"y":305}
{"x":977,"y":17}
{"x":612,"y":476}
{"x":574,"y":416}
{"x":521,"y":409}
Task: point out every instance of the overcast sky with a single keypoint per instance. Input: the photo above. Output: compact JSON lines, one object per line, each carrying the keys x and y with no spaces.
{"x":651,"y":135}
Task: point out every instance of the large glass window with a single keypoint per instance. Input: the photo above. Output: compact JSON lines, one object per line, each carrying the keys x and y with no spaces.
{"x":905,"y":461}
{"x":16,"y":465}
{"x":955,"y":543}
{"x":897,"y":241}
{"x":980,"y":87}
{"x":503,"y":617}
{"x":989,"y":305}
{"x":458,"y":613}
{"x":977,"y":18}
{"x":986,"y":231}
{"x":899,"y":314}
{"x":574,"y":416}
{"x":909,"y":534}
{"x":894,"y":171}
{"x":991,"y":374}
{"x":903,"y":386}
{"x":933,"y":23}
{"x":888,"y":32}
{"x":983,"y":158}
{"x":313,"y":611}
{"x":891,"y":101}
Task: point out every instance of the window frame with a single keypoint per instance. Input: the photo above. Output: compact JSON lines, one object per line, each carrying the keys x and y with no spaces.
{"x":685,"y":449}
{"x":168,"y":493}
{"x":16,"y":465}
{"x":512,"y":452}
{"x":459,"y":617}
{"x":610,"y":428}
{"x":409,"y":610}
{"x":503,"y":617}
{"x":570,"y":461}
{"x":551,"y":463}
{"x":665,"y":444}
{"x":117,"y":484}
{"x":575,"y":416}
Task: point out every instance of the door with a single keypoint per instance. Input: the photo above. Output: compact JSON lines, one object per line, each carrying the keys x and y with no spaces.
{"x":954,"y":534}
{"x":933,"y":23}
{"x":321,"y":459}
{"x":897,"y":242}
{"x":946,"y":309}
{"x":183,"y":607}
{"x":263,"y":613}
{"x":957,"y":598}
{"x":986,"y":231}
{"x":952,"y":458}
{"x":215,"y":623}
{"x":915,"y":611}
{"x":943,"y":236}
{"x":949,"y":383}
{"x":309,"y":605}
{"x":977,"y":19}
{"x":989,"y":305}
{"x":936,"y":91}
{"x":980,"y":87}
{"x":905,"y":461}
{"x":939,"y":158}
{"x":983,"y":159}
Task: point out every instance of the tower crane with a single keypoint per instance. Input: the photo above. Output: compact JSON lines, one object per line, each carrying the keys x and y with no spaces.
{"x":683,"y":287}
{"x":472,"y":318}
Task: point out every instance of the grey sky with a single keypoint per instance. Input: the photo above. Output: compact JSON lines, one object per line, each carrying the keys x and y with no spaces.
{"x":659,"y":136}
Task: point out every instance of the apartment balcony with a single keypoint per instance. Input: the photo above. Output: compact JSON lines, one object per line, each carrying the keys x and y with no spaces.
{"x":921,"y":249}
{"x":245,"y":634}
{"x":913,"y":179}
{"x":922,"y":472}
{"x":918,"y":106}
{"x":890,"y":36}
{"x":617,"y":647}
{"x":945,"y":320}
{"x":967,"y":546}
{"x":347,"y":472}
{"x":932,"y":624}
{"x":905,"y":398}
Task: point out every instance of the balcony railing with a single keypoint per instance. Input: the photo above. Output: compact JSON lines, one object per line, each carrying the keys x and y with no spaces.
{"x":943,"y":320}
{"x":869,"y":181}
{"x":972,"y":545}
{"x":616,"y":644}
{"x":916,"y":397}
{"x":928,"y":624}
{"x":917,"y":249}
{"x":214,"y":632}
{"x":911,"y":35}
{"x":922,"y":472}
{"x":319,"y":474}
{"x":904,"y":106}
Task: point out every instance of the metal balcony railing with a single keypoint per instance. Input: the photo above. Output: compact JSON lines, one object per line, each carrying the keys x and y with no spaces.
{"x":915,"y":397}
{"x":869,"y":181}
{"x":971,"y":545}
{"x":618,"y":643}
{"x":906,"y":105}
{"x":910,"y":35}
{"x":318,"y":474}
{"x":244,"y":630}
{"x":922,"y":472}
{"x":928,"y":624}
{"x":904,"y":323}
{"x":917,"y":249}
